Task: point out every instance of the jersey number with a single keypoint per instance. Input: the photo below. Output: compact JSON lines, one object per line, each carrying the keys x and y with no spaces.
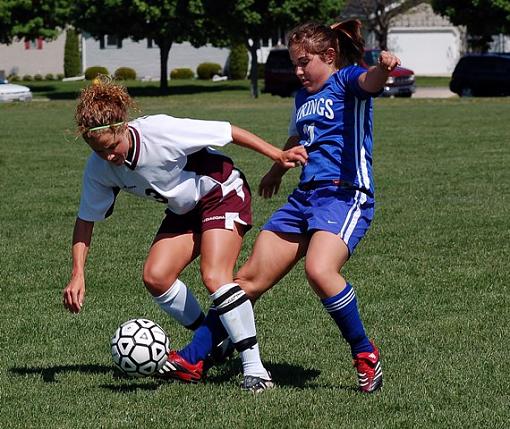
{"x":309,"y":132}
{"x":155,"y":195}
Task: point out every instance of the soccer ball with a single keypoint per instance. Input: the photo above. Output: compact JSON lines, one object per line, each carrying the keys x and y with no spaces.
{"x":139,"y":347}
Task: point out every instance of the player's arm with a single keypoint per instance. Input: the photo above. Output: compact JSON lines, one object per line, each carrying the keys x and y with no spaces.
{"x":270,"y":184}
{"x":287,"y":158}
{"x":74,"y":293}
{"x":375,"y":77}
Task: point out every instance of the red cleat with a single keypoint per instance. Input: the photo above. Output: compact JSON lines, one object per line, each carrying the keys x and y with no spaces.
{"x":177,"y":368}
{"x":368,"y":366}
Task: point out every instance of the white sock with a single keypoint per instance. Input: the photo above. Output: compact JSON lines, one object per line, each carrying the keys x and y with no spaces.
{"x":180,"y":303}
{"x":236,"y":314}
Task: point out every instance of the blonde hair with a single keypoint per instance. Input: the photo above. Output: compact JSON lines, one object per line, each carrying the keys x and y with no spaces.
{"x":344,"y":37}
{"x":102,"y":104}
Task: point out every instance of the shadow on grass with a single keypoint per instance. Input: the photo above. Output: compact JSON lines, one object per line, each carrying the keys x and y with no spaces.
{"x":53,"y":93}
{"x":50,"y":373}
{"x":285,"y":375}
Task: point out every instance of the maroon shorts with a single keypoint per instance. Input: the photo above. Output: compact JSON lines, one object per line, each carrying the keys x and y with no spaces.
{"x":213,"y":211}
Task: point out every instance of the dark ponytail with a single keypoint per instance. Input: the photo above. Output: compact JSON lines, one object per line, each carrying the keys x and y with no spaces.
{"x":350,"y":40}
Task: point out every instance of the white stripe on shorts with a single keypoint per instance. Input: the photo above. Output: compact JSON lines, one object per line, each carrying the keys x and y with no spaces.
{"x":352,"y":217}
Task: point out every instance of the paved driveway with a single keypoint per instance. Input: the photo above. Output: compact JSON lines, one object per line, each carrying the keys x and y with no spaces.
{"x":433,"y":93}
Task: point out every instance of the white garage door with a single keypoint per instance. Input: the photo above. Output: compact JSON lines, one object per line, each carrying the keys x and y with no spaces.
{"x":427,"y":51}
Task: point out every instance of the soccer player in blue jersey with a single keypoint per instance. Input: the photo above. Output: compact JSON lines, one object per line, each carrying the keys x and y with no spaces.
{"x":332,"y":208}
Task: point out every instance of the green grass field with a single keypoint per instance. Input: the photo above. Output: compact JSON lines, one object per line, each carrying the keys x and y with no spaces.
{"x":431,"y":276}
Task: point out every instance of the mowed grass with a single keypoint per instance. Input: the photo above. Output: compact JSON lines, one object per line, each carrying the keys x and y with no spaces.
{"x":431,"y":276}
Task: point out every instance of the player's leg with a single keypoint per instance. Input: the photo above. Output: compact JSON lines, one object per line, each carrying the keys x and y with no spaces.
{"x":281,"y":243}
{"x":219,"y":252}
{"x":169,"y":254}
{"x":217,"y":265}
{"x":273,"y":256}
{"x":339,"y":223}
{"x":326,"y":255}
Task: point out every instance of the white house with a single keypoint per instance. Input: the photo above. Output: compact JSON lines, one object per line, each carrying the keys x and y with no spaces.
{"x":30,"y":58}
{"x":43,"y":57}
{"x":426,"y":42}
{"x":143,"y":56}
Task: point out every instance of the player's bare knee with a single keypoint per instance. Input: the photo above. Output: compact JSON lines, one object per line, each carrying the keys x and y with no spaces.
{"x":213,"y":278}
{"x":315,"y":273}
{"x":156,"y":282}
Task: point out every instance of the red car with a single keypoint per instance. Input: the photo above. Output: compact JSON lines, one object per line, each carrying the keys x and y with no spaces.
{"x":400,"y":83}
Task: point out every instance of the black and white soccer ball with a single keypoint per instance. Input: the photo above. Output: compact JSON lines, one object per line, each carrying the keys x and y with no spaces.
{"x":139,"y":347}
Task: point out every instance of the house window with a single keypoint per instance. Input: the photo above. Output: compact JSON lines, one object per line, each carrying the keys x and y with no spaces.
{"x":34,"y":44}
{"x":110,"y":41}
{"x":150,"y":43}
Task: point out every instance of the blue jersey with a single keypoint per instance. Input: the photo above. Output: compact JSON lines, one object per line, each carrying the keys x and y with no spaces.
{"x":335,"y":126}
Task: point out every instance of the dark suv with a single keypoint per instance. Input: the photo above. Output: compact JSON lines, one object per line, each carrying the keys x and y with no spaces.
{"x":482,"y":75}
{"x":279,"y":76}
{"x":280,"y":79}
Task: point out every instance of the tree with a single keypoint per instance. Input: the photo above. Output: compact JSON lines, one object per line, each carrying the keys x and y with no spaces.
{"x":250,"y":21}
{"x":72,"y":59}
{"x":377,"y":15}
{"x":238,"y":61}
{"x":22,"y":19}
{"x":164,"y":21}
{"x":495,"y":13}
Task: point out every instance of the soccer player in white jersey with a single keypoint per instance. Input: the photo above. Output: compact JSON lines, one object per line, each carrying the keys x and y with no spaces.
{"x":170,"y":160}
{"x":331,"y":209}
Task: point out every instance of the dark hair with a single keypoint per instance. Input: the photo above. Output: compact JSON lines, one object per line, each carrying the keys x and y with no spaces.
{"x":344,"y":37}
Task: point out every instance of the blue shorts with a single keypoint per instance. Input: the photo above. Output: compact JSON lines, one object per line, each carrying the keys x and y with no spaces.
{"x":344,"y":212}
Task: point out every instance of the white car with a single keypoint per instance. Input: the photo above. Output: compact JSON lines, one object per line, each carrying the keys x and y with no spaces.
{"x":12,"y":92}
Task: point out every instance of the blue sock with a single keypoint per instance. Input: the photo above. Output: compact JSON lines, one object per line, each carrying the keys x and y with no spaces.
{"x":343,"y":308}
{"x":210,"y":333}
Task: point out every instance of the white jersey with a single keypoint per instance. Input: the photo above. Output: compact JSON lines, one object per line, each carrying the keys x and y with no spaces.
{"x":170,"y":162}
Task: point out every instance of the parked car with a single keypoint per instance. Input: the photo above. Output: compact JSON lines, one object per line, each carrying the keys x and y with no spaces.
{"x":482,"y":75}
{"x":12,"y":92}
{"x":280,"y":79}
{"x":401,"y":81}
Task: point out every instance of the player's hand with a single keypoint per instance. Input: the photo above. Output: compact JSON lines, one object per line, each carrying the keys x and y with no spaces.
{"x":387,"y":61}
{"x":270,"y":184}
{"x":293,"y":157}
{"x":74,"y":294}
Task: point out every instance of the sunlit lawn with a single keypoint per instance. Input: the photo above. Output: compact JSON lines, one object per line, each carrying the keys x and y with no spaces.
{"x":432,"y":279}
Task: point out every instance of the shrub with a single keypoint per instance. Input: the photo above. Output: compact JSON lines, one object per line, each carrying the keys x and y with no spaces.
{"x":206,"y":71}
{"x":13,"y":78}
{"x":27,"y":78}
{"x":72,"y":58}
{"x":125,"y":73}
{"x":38,"y":77}
{"x":92,"y":72}
{"x":60,"y":76}
{"x":182,"y":73}
{"x":238,"y":61}
{"x":49,"y":76}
